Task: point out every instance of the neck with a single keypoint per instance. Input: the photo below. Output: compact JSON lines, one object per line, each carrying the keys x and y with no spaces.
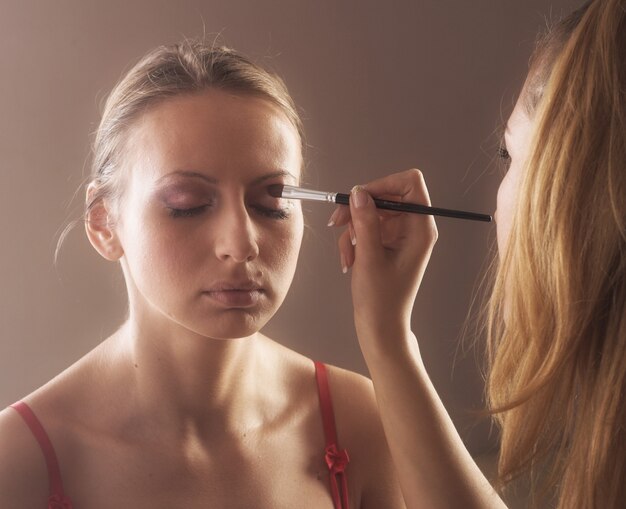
{"x":187,"y":383}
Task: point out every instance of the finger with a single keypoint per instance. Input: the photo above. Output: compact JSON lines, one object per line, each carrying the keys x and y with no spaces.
{"x":341,"y":216}
{"x":366,"y":225}
{"x":408,"y":186}
{"x":346,"y":251}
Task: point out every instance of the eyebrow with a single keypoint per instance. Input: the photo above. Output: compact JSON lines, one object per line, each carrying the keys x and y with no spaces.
{"x":274,"y":174}
{"x":187,"y":173}
{"x":214,"y":181}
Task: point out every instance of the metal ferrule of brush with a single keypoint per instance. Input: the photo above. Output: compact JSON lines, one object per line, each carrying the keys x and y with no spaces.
{"x":306,"y":194}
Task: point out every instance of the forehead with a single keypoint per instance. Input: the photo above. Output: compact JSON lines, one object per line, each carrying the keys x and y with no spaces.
{"x":225,"y":135}
{"x":519,"y":124}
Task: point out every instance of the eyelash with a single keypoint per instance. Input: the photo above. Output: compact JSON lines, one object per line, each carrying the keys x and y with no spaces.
{"x":195,"y":211}
{"x":273,"y":213}
{"x":503,"y":153}
{"x":186,"y":212}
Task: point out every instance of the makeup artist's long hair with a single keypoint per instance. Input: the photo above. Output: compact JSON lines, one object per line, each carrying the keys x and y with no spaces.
{"x":557,"y":317}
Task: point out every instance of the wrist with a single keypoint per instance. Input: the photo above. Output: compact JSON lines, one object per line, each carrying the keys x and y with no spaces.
{"x":394,"y":343}
{"x":385,"y":365}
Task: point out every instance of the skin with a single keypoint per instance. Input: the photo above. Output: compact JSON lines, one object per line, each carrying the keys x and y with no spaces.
{"x":388,"y":254}
{"x":517,"y":139}
{"x":188,"y":404}
{"x":388,"y":257}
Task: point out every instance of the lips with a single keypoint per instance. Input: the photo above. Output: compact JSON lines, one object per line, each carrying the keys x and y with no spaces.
{"x":244,"y":285}
{"x":235,"y":294}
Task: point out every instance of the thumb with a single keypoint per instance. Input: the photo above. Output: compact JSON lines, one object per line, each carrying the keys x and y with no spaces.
{"x":366,"y":224}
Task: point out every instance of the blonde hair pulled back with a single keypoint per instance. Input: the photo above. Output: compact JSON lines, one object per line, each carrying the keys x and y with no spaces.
{"x":187,"y":67}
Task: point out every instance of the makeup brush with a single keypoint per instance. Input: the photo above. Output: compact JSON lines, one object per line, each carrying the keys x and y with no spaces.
{"x":299,"y":193}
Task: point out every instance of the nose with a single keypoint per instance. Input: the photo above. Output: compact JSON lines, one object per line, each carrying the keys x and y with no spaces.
{"x":236,"y":236}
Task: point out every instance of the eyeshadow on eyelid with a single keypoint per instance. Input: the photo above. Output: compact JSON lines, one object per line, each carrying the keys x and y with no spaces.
{"x":173,"y":197}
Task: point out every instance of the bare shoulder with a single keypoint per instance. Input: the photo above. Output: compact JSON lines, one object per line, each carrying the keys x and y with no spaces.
{"x":360,"y":431}
{"x":23,"y":471}
{"x":23,"y":474}
{"x":356,"y":411}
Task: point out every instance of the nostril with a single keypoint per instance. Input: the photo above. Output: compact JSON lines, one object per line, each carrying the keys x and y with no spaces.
{"x":239,"y":247}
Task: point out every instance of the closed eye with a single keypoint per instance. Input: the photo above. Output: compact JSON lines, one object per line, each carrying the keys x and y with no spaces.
{"x":272,"y":213}
{"x":194,"y":211}
{"x":503,"y":153}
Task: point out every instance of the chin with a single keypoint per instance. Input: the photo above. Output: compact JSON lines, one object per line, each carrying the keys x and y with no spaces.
{"x":231,"y":323}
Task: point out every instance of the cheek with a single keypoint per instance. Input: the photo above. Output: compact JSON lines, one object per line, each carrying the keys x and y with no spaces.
{"x":285,"y":245}
{"x":279,"y":255}
{"x":506,"y":199}
{"x":156,"y":249}
{"x":162,"y":251}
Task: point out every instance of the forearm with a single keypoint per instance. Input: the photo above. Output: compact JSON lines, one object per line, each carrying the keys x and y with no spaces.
{"x":388,"y":255}
{"x":435,"y":469}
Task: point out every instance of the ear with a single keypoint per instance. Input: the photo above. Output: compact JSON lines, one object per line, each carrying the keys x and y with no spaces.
{"x":100,"y":227}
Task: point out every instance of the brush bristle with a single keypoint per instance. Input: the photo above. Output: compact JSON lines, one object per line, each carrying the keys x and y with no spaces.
{"x":275,"y":190}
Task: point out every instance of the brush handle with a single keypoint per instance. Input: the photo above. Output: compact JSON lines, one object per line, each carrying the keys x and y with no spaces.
{"x":344,"y":199}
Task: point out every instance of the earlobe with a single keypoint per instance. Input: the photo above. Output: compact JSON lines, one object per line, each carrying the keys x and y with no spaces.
{"x":100,"y":227}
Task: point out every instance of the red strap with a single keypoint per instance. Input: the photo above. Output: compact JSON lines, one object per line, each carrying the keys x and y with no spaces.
{"x":336,"y":459}
{"x":57,"y":499}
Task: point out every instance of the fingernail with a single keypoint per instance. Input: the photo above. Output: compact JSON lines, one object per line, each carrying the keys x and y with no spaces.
{"x":359,"y":195}
{"x":352,"y":235}
{"x":344,"y":267}
{"x":331,"y":221}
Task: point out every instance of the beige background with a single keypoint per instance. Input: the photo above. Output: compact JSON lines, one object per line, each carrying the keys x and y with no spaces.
{"x":383,"y":88}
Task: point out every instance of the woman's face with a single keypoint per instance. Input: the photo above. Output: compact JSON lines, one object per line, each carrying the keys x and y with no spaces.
{"x":205,"y":245}
{"x":517,"y":140}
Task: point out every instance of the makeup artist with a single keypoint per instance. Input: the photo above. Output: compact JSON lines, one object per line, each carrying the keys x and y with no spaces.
{"x":557,"y":317}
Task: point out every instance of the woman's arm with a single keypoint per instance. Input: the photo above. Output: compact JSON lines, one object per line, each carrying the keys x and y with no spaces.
{"x":388,"y":253}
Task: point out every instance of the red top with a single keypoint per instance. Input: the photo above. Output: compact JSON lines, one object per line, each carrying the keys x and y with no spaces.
{"x":336,"y":459}
{"x":57,"y":499}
